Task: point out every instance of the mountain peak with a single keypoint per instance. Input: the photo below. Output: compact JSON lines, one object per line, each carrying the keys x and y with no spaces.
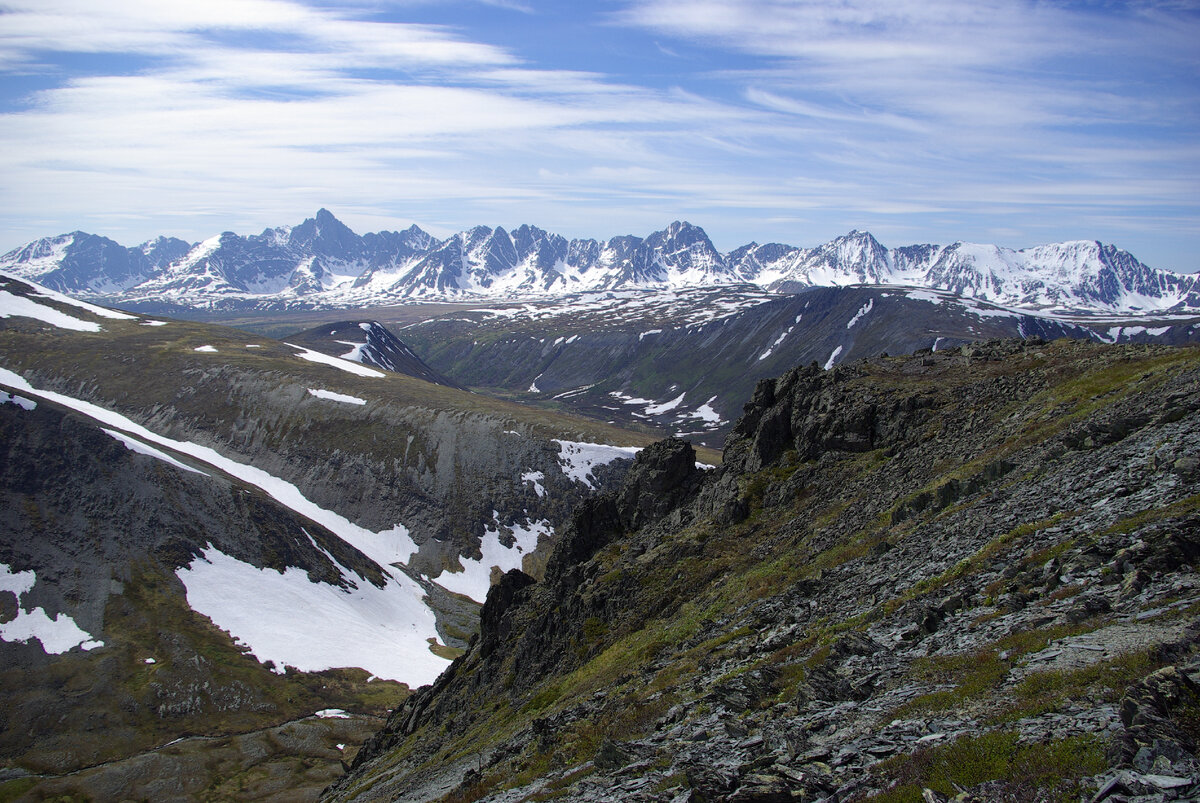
{"x":854,"y":235}
{"x":325,"y":235}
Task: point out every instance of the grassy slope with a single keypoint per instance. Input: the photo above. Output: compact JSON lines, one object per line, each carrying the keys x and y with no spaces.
{"x":114,"y":364}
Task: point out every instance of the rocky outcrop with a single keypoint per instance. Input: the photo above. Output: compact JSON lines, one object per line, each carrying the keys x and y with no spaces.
{"x":515,"y":628}
{"x":493,"y":628}
{"x":1159,"y":715}
{"x":662,"y":477}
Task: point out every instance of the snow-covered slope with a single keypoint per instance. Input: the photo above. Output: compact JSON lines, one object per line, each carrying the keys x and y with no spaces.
{"x":369,"y":343}
{"x":322,"y":263}
{"x":1070,"y":276}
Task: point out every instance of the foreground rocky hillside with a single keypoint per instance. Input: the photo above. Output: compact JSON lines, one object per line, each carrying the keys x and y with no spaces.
{"x":958,"y":570}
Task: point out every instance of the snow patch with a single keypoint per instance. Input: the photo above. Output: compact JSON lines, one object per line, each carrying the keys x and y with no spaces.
{"x":206,"y":349}
{"x":476,"y":577}
{"x":569,"y":393}
{"x":286,"y":618}
{"x":24,"y":307}
{"x":778,"y":340}
{"x":20,"y":401}
{"x":924,"y":295}
{"x":337,"y":397}
{"x":665,"y":407}
{"x":705,"y":412}
{"x":355,"y":354}
{"x":62,"y":298}
{"x":57,"y":635}
{"x":578,"y":458}
{"x":331,"y":713}
{"x":616,"y":394}
{"x":647,"y":333}
{"x":154,"y":323}
{"x":134,"y":445}
{"x":536,"y":477}
{"x":861,"y":312}
{"x":336,"y":362}
{"x":832,"y":358}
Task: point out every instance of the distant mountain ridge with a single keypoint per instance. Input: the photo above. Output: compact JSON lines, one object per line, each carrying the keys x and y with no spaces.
{"x":323,"y":263}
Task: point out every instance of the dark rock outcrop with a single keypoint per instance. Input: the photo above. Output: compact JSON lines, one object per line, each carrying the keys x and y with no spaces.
{"x":493,"y":627}
{"x":1161,"y":719}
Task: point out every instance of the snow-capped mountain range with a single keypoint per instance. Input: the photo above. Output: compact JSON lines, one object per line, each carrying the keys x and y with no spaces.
{"x":322,"y":263}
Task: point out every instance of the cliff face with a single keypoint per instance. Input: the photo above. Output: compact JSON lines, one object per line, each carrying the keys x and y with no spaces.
{"x":967,"y":569}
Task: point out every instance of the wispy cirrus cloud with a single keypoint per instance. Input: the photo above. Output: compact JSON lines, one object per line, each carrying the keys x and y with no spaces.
{"x":999,"y":106}
{"x":273,"y":101}
{"x":761,"y":119}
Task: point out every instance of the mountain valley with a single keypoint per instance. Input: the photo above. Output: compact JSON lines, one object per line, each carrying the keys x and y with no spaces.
{"x":213,"y":533}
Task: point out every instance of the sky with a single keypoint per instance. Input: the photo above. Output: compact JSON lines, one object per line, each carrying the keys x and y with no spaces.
{"x":1016,"y":122}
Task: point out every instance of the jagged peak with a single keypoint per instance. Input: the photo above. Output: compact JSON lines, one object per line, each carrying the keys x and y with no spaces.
{"x":856,"y":236}
{"x":531,"y":229}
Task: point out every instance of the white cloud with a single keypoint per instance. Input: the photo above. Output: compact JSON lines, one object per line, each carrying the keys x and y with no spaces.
{"x":242,"y":114}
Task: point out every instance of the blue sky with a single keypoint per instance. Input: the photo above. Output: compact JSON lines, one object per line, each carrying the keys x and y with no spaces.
{"x":1002,"y":121}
